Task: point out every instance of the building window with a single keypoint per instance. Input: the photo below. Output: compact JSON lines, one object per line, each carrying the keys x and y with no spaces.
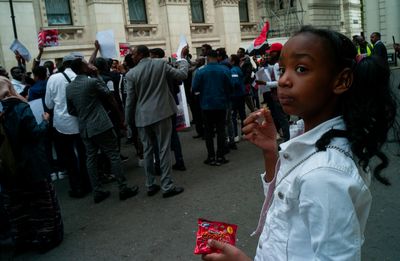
{"x":243,"y":11}
{"x":137,"y":11}
{"x":197,"y":11}
{"x":291,"y":3}
{"x":58,"y":12}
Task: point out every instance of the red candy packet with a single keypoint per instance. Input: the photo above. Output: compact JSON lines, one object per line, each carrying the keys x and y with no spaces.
{"x":213,"y":230}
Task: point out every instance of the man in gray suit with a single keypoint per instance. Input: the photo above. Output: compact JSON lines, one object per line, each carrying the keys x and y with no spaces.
{"x":150,"y":103}
{"x":85,"y":98}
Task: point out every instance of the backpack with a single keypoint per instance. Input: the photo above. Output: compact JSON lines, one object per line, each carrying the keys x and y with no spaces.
{"x":7,"y":159}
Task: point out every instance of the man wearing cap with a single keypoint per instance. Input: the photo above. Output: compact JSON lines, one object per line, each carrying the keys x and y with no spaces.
{"x":270,"y":96}
{"x":66,"y":130}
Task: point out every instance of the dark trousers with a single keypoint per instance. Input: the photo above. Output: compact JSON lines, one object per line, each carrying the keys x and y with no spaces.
{"x":280,"y":118}
{"x":108,"y":144}
{"x":74,"y":163}
{"x":197,"y":115}
{"x":238,"y":107}
{"x":34,"y":214}
{"x":214,"y":120}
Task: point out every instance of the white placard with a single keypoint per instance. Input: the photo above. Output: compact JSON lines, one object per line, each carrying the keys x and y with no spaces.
{"x":182,"y":116}
{"x":182,"y":44}
{"x":37,"y":109}
{"x":18,"y":46}
{"x":106,"y":40}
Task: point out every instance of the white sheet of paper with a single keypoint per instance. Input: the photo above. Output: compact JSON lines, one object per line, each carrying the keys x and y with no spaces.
{"x":18,"y":46}
{"x":262,"y":76}
{"x":37,"y":109}
{"x":182,"y":44}
{"x":106,"y":39}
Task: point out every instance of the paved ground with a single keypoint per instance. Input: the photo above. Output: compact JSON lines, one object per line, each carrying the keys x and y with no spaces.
{"x":158,"y":229}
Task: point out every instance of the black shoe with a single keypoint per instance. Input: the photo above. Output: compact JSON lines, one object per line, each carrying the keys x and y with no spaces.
{"x":126,"y":192}
{"x":99,"y":196}
{"x":173,"y":192}
{"x":197,"y":136}
{"x":152,"y":190}
{"x":180,"y":167}
{"x":124,"y":158}
{"x":210,"y":161}
{"x":221,"y":161}
{"x":77,"y":193}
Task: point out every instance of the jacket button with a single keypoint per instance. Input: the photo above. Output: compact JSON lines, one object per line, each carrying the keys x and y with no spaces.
{"x":286,"y":156}
{"x":280,"y":195}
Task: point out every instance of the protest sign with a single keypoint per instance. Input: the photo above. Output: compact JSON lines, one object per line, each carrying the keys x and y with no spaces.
{"x":182,"y":116}
{"x":17,"y":46}
{"x":47,"y":38}
{"x":37,"y":109}
{"x":107,"y":44}
{"x":123,"y":49}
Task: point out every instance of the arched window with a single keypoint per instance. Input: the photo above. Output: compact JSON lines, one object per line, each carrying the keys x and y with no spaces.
{"x":197,"y":11}
{"x":58,"y":12}
{"x":137,"y":11}
{"x":243,"y":11}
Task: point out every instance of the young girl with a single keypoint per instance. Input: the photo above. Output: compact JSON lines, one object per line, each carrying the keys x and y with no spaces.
{"x":316,"y":186}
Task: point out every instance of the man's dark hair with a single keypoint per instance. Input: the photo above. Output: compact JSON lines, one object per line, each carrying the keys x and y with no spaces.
{"x":49,"y":65}
{"x":242,"y":49}
{"x":235,"y":59}
{"x":40,"y":72}
{"x":76,"y":66}
{"x":102,"y":65}
{"x":222,"y":53}
{"x":157,"y":52}
{"x":377,"y":34}
{"x":143,"y":50}
{"x":212,"y":54}
{"x":3,"y":72}
{"x":129,"y":61}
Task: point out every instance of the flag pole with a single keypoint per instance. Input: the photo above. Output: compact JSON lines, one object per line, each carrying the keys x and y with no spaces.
{"x":13,"y":19}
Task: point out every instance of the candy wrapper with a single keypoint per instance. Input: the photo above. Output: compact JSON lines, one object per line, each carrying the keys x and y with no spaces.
{"x":213,"y":230}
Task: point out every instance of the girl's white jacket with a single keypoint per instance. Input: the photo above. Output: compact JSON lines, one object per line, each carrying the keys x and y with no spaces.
{"x":320,"y":203}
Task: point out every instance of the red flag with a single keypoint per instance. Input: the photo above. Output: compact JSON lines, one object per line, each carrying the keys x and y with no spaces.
{"x":261,"y":39}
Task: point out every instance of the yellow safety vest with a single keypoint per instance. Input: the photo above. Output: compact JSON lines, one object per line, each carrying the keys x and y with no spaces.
{"x":369,"y":50}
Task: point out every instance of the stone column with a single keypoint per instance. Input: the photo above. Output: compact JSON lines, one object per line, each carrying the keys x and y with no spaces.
{"x":228,"y":24}
{"x":107,"y":15}
{"x":175,"y":14}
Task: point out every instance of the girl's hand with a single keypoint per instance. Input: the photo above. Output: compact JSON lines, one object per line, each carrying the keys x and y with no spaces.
{"x":259,"y":129}
{"x":228,"y":253}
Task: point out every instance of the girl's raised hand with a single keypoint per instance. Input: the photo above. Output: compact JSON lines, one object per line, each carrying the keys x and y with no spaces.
{"x":259,"y":129}
{"x":228,"y":253}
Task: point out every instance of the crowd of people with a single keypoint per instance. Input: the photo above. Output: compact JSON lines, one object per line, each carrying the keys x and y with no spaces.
{"x":91,"y":105}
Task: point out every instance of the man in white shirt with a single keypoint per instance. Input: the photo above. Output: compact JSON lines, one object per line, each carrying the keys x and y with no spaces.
{"x":17,"y":74}
{"x":66,"y":130}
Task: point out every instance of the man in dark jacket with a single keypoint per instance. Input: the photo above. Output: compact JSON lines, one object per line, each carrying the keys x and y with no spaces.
{"x":213,"y":81}
{"x":379,"y":47}
{"x":84,"y":100}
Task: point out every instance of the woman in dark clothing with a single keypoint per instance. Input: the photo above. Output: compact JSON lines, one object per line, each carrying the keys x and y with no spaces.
{"x":29,"y":196}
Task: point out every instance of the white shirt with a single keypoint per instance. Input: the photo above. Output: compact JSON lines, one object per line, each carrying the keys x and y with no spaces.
{"x":56,"y":98}
{"x":319,"y":207}
{"x":18,"y":86}
{"x":270,"y":83}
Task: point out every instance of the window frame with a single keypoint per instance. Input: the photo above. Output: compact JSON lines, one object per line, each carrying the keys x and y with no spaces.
{"x":244,"y":3}
{"x":202,"y":12}
{"x":59,"y":24}
{"x":146,"y":19}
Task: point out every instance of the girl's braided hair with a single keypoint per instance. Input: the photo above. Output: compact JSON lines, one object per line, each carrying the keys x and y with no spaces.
{"x":368,"y":107}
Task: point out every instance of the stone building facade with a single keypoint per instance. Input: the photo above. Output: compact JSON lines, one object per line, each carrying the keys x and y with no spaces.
{"x":159,"y":23}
